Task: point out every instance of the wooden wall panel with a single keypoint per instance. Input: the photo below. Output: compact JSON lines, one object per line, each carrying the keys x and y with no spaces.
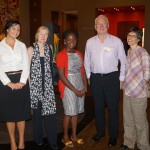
{"x":35,"y":18}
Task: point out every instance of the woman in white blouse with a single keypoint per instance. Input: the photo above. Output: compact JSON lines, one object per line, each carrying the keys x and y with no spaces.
{"x":14,"y":86}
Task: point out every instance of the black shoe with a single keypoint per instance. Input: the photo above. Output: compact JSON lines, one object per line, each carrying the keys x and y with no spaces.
{"x":55,"y":147}
{"x":112,"y":142}
{"x":124,"y":147}
{"x":38,"y":143}
{"x":96,"y":137}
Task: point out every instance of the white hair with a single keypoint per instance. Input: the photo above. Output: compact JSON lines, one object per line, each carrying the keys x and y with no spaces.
{"x":104,"y":17}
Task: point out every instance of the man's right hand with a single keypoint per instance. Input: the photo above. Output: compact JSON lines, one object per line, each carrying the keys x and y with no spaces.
{"x":89,"y":82}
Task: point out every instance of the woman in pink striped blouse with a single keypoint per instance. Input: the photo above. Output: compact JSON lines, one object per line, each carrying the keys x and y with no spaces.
{"x":135,"y":99}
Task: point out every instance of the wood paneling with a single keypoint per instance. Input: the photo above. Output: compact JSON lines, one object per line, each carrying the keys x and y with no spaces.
{"x":35,"y":18}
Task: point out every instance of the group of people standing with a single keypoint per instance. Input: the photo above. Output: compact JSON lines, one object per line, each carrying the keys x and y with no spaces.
{"x":101,"y":64}
{"x":27,"y":82}
{"x":19,"y":95}
{"x":27,"y":86}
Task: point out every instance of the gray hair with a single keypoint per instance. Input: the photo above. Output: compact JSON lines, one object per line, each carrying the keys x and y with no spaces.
{"x":138,"y":32}
{"x":104,"y":17}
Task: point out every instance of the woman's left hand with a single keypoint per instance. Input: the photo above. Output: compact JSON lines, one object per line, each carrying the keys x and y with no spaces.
{"x":83,"y":90}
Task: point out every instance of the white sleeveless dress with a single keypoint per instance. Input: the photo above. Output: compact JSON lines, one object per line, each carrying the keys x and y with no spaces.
{"x":73,"y":104}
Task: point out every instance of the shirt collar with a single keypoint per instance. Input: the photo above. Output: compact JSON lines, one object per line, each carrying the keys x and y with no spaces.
{"x":4,"y":41}
{"x":107,"y":36}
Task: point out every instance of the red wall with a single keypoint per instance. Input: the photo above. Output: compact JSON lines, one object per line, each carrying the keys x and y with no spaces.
{"x":115,"y":17}
{"x":128,"y":16}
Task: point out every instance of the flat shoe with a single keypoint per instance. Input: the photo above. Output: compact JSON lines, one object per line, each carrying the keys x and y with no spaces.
{"x":79,"y":141}
{"x":67,"y":144}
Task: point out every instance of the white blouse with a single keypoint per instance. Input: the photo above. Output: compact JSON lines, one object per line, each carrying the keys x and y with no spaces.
{"x":13,"y":60}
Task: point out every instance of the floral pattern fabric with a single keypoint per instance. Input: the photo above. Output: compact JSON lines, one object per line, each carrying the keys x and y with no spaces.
{"x":37,"y":94}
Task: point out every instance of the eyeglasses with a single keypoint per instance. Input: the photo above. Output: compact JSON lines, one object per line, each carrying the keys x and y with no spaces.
{"x":131,"y":35}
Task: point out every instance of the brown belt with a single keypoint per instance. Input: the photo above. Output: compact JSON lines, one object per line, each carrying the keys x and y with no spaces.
{"x":13,"y":73}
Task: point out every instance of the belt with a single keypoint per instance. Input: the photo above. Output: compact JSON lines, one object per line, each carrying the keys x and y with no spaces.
{"x":104,"y":74}
{"x":14,"y":72}
{"x":73,"y":73}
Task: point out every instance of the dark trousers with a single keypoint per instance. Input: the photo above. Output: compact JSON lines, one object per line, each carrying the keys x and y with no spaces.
{"x":105,"y":91}
{"x":49,"y":124}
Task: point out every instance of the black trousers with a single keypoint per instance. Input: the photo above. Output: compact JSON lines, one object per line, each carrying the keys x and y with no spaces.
{"x":48,"y":123}
{"x":105,"y":91}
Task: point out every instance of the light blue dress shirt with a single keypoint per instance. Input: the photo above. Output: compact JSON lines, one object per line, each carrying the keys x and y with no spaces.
{"x":103,"y":57}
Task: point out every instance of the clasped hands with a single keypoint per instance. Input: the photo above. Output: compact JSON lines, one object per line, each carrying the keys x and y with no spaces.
{"x":15,"y":86}
{"x":81,"y":92}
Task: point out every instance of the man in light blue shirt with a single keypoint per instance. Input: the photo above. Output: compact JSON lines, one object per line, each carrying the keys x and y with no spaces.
{"x":102,"y":54}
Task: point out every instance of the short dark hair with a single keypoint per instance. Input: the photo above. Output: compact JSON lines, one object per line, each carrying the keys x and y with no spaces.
{"x":66,"y":33}
{"x":9,"y":24}
{"x":138,"y":32}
